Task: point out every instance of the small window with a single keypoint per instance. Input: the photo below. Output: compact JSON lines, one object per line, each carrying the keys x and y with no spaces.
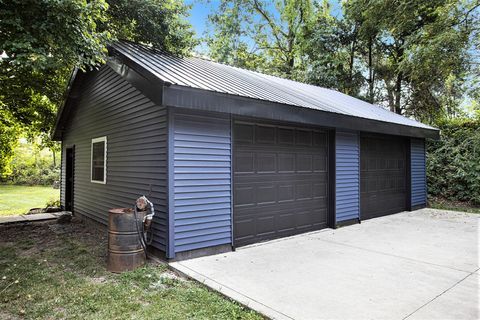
{"x":99,"y":160}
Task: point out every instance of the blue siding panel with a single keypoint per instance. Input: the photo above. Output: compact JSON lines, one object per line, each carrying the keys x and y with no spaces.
{"x":202,"y":180}
{"x":418,"y":171}
{"x":347,"y":155}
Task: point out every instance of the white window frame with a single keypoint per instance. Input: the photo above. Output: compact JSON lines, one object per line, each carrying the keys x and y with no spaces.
{"x":104,"y":140}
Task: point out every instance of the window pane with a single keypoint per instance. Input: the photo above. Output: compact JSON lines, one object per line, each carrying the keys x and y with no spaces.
{"x":98,"y":157}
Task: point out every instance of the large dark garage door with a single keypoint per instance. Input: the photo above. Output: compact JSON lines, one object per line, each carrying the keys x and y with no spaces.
{"x":383,"y":175}
{"x":280,"y":181}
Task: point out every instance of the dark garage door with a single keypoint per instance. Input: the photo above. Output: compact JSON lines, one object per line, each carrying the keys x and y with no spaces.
{"x":383,"y":175}
{"x":280,"y":181}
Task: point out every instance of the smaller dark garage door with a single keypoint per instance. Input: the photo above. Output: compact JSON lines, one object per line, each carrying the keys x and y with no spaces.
{"x":280,"y":181}
{"x":383,"y":175}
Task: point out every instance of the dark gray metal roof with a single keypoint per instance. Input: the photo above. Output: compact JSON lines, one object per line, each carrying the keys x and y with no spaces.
{"x":208,"y":75}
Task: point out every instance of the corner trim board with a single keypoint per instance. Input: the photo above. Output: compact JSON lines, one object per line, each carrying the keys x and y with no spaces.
{"x":332,"y":177}
{"x":171,"y":181}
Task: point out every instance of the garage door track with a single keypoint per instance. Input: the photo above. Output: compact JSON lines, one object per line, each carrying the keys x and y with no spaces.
{"x":412,"y":265}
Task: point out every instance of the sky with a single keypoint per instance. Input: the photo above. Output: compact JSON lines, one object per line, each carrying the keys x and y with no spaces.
{"x":199,"y":14}
{"x":201,"y":9}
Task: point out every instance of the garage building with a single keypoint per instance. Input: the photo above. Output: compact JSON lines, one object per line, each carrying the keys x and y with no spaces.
{"x":230,"y":157}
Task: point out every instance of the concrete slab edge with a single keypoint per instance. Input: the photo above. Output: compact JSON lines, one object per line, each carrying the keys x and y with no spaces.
{"x":21,"y":219}
{"x":229,"y":293}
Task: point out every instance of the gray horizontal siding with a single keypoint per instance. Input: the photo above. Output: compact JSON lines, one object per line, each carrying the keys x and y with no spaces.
{"x":136,"y":131}
{"x":418,"y":172}
{"x":347,"y":155}
{"x":202,"y":180}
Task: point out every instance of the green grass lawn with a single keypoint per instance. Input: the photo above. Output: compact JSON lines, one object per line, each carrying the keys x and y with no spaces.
{"x":52,"y":271}
{"x":20,"y":199}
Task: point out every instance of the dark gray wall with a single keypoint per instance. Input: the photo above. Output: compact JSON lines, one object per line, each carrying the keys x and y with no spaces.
{"x":136,"y":131}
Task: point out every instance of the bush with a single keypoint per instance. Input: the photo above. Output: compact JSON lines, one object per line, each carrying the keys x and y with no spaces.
{"x":31,"y":166}
{"x":53,"y":202}
{"x":453,"y":163}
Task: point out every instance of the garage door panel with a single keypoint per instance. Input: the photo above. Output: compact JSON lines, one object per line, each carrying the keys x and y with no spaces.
{"x":244,"y":196}
{"x":285,"y":192}
{"x":251,"y":192}
{"x":266,"y":162}
{"x":383,"y":176}
{"x":286,"y":136}
{"x":266,"y":195}
{"x":320,"y":163}
{"x":320,"y":189}
{"x":286,"y":162}
{"x":244,"y":133}
{"x":254,"y":178}
{"x":264,"y":134}
{"x":253,"y":226}
{"x":244,"y":162}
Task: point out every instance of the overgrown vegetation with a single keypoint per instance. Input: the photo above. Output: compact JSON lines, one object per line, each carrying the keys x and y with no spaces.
{"x":52,"y":271}
{"x":20,"y":199}
{"x":453,"y":166}
{"x":33,"y":165}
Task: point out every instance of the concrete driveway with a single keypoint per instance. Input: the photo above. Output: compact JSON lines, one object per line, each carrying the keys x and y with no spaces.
{"x":412,"y":265}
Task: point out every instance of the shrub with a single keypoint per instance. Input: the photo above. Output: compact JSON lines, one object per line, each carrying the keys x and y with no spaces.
{"x":453,"y":163}
{"x":53,"y":202}
{"x":31,"y":166}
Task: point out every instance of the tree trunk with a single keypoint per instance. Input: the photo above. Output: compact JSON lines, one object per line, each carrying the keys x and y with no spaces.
{"x":353,"y":48}
{"x":398,"y":94}
{"x":391,"y":99}
{"x":371,"y":80}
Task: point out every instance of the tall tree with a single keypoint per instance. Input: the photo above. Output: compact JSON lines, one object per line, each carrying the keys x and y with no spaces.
{"x":161,"y":23}
{"x":421,"y":49}
{"x":228,"y":39}
{"x":331,"y":49}
{"x":269,"y":30}
{"x":41,"y":41}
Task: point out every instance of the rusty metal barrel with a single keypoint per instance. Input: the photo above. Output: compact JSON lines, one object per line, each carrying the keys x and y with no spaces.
{"x":125,"y":250}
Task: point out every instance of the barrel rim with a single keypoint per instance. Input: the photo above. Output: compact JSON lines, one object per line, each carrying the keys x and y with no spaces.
{"x":121,"y":211}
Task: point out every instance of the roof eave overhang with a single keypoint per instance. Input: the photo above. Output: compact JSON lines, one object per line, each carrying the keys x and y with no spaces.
{"x":192,"y":98}
{"x":164,"y":93}
{"x":70,"y":99}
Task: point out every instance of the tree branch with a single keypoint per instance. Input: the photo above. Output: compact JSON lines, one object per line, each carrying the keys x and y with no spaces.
{"x":275,"y":30}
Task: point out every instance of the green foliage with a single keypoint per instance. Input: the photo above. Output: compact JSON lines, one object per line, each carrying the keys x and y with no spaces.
{"x":453,"y":165}
{"x":160,"y":23}
{"x":53,"y":202}
{"x":330,"y":49}
{"x":231,"y":26}
{"x":8,"y":141}
{"x":415,"y":57}
{"x":32,"y":165}
{"x":258,"y":35}
{"x":42,"y":41}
